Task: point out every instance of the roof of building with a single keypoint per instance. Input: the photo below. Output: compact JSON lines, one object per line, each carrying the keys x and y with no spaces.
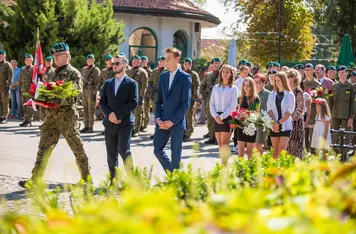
{"x":168,"y":8}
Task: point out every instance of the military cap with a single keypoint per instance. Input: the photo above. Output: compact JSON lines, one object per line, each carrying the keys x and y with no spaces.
{"x":298,"y":66}
{"x":216,"y":59}
{"x":269,"y":65}
{"x":49,"y":58}
{"x":309,"y":65}
{"x":90,"y":56}
{"x":28,"y":56}
{"x":108,"y":57}
{"x":248,"y":63}
{"x":188,"y":60}
{"x":59,"y":47}
{"x":136,"y":57}
{"x":276,"y":64}
{"x":353,"y":73}
{"x":144,"y":58}
{"x":272,"y":72}
{"x":2,"y":52}
{"x":342,"y":68}
{"x":242,"y":62}
{"x":162,"y":58}
{"x":122,"y":55}
{"x":332,"y":68}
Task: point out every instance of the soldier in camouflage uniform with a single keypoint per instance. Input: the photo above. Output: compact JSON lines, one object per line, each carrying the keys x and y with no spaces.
{"x":141,"y":77}
{"x":5,"y":82}
{"x":47,"y":76}
{"x":206,"y":88}
{"x":25,"y":84}
{"x":92,"y":83}
{"x":63,"y":120}
{"x":148,"y":95}
{"x":107,"y":72}
{"x":195,"y":91}
{"x":154,"y":80}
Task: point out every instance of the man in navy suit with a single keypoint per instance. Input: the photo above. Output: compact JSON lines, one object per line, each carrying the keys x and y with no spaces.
{"x":173,"y":99}
{"x":118,"y":99}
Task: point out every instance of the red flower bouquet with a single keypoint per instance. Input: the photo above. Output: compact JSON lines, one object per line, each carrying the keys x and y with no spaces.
{"x":320,"y":93}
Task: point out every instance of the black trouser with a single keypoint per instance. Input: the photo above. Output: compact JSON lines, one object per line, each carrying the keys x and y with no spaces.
{"x":235,"y":137}
{"x":118,"y":141}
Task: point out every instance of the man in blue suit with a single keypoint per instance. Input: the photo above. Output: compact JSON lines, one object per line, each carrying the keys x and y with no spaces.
{"x":173,"y":99}
{"x":118,"y":99}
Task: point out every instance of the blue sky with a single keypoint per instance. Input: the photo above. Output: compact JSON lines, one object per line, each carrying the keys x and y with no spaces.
{"x":226,"y":18}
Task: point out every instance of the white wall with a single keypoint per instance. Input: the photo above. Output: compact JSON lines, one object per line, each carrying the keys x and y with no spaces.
{"x":163,"y":27}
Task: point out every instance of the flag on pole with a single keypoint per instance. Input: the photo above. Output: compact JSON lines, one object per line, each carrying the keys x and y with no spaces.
{"x":38,"y":66}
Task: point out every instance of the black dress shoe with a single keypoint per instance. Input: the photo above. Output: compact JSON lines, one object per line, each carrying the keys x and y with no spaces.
{"x":206,"y":135}
{"x":186,"y":138}
{"x":84,"y":130}
{"x":211,"y":141}
{"x":134,"y":134}
{"x":90,"y":130}
{"x":22,"y":183}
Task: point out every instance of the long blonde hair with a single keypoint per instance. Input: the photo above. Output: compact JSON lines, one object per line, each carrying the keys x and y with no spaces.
{"x":253,"y":94}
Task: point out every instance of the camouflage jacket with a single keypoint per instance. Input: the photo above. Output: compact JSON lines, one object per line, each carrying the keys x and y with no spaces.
{"x":5,"y":74}
{"x":208,"y":83}
{"x":149,"y":92}
{"x":49,"y":74}
{"x":195,"y":84}
{"x":91,"y":77}
{"x":154,"y":79}
{"x":25,"y":80}
{"x":106,"y":74}
{"x":141,"y":77}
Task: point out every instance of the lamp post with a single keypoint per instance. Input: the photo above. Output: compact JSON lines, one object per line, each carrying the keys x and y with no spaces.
{"x":280,"y":30}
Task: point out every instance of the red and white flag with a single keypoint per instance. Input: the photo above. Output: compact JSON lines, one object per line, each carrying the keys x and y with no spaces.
{"x":38,"y":66}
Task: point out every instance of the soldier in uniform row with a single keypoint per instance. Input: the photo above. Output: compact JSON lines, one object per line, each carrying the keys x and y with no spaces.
{"x":206,"y":88}
{"x":61,"y":121}
{"x":25,"y":84}
{"x":331,"y":73}
{"x":154,"y":80}
{"x":92,"y":83}
{"x":188,"y":64}
{"x":5,"y":82}
{"x":49,"y":69}
{"x":139,"y":74}
{"x":148,"y":98}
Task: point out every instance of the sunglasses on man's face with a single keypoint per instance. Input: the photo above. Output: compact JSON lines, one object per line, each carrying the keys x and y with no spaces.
{"x":116,"y":64}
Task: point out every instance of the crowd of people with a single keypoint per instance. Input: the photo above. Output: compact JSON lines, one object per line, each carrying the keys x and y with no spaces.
{"x":300,"y":121}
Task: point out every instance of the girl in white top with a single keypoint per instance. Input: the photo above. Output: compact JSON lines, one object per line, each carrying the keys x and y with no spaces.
{"x":280,"y":107}
{"x":321,"y":135}
{"x":223,"y":101}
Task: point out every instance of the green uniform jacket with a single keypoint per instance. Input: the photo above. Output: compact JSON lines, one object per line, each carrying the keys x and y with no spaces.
{"x":25,"y":80}
{"x":50,"y":74}
{"x":342,"y":103}
{"x":140,"y":75}
{"x":149,"y":92}
{"x":208,"y":83}
{"x":195,"y":84}
{"x":91,"y":77}
{"x":5,"y":74}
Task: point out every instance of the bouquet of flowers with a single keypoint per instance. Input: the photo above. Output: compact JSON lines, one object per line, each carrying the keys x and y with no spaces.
{"x":51,"y":94}
{"x":320,"y":93}
{"x":250,"y":121}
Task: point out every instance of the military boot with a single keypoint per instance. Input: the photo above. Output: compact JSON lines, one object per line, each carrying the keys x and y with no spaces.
{"x":90,"y":130}
{"x":25,"y":123}
{"x":211,"y":141}
{"x":84,"y":130}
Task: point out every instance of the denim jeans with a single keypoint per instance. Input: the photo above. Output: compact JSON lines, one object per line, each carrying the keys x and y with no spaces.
{"x":15,"y":102}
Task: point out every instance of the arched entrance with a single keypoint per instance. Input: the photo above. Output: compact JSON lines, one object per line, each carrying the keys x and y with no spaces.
{"x":180,"y":41}
{"x":143,"y":42}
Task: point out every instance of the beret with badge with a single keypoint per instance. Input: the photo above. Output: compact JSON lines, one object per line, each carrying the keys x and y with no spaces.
{"x":59,"y":47}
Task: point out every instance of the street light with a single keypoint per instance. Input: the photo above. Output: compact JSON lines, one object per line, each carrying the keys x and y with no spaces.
{"x":280,"y":30}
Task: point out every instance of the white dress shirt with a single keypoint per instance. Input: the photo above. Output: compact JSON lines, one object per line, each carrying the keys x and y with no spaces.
{"x":171,"y":77}
{"x":238,"y":83}
{"x":223,"y":100}
{"x":287,"y":104}
{"x":118,"y":82}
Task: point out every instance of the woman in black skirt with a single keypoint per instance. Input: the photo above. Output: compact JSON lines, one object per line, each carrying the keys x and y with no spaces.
{"x":223,"y":101}
{"x":248,"y":100}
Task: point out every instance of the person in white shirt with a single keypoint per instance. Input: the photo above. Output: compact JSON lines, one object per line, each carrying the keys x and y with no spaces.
{"x":223,"y":102}
{"x":244,"y":72}
{"x":280,"y":107}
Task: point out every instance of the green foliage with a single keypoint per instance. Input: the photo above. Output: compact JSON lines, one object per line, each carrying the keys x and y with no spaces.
{"x":66,"y":90}
{"x":261,"y":195}
{"x":86,"y":28}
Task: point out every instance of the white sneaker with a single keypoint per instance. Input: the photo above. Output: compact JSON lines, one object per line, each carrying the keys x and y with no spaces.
{"x":234,"y":149}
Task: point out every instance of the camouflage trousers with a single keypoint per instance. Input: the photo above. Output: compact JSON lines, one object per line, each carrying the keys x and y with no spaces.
{"x":210,"y":118}
{"x":89,"y":106}
{"x":4,"y":102}
{"x":57,"y":122}
{"x":27,"y":110}
{"x":138,"y":112}
{"x":154,"y":104}
{"x":146,"y":112}
{"x":190,"y":122}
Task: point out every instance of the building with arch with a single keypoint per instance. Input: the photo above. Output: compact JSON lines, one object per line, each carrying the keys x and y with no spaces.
{"x":153,"y":25}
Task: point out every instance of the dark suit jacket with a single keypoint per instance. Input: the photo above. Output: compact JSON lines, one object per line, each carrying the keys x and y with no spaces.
{"x":172,"y":104}
{"x":122,"y":104}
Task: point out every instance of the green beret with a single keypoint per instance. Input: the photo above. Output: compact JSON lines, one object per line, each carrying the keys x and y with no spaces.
{"x":300,"y":66}
{"x":188,"y":60}
{"x":108,"y":57}
{"x":276,"y":64}
{"x":242,"y":62}
{"x":59,"y":47}
{"x":332,"y":68}
{"x":248,"y":63}
{"x":144,"y":58}
{"x":90,"y":56}
{"x":309,"y":65}
{"x":269,"y":65}
{"x":2,"y":52}
{"x":353,"y":73}
{"x":122,"y":55}
{"x":136,"y":57}
{"x":162,"y":58}
{"x":216,"y":59}
{"x":28,"y":56}
{"x":342,"y":68}
{"x":49,"y":59}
